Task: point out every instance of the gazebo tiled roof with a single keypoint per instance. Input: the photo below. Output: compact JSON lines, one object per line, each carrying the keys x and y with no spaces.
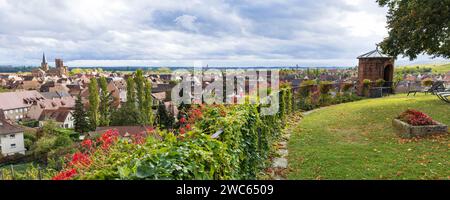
{"x":374,"y":54}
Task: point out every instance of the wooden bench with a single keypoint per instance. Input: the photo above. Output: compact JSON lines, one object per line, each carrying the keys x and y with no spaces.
{"x":437,"y":86}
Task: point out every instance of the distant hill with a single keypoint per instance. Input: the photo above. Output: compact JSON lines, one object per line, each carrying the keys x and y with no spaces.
{"x":436,"y":68}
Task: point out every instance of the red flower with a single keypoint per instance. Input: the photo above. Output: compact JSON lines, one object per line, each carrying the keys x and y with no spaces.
{"x":65,"y":175}
{"x":183,"y":120}
{"x":139,"y":138}
{"x":196,"y":114}
{"x":182,"y":131}
{"x":80,"y":159}
{"x":87,"y":144}
{"x":416,"y":118}
{"x":188,"y":127}
{"x":108,"y":138}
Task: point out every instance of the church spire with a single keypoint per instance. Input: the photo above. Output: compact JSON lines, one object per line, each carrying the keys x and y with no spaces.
{"x":44,"y":65}
{"x":44,"y":60}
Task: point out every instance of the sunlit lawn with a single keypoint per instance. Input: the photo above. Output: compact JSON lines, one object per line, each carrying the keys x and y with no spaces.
{"x":357,"y":141}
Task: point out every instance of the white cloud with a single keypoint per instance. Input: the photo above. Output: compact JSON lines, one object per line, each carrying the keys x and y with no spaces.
{"x":177,"y":32}
{"x":187,"y":22}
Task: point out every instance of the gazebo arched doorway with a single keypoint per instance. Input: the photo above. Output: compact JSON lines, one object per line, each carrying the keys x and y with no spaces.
{"x":388,"y":73}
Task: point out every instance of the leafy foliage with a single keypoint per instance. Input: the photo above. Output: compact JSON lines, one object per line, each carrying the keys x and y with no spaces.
{"x":380,"y":82}
{"x":127,"y":115}
{"x":417,"y":27}
{"x":93,"y":104}
{"x":240,"y":151}
{"x":106,"y":102}
{"x":81,"y":122}
{"x":165,"y":118}
{"x":148,"y":104}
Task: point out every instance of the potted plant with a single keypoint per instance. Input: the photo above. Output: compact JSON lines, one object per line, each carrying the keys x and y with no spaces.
{"x":380,"y":82}
{"x":366,"y":87}
{"x":413,"y":123}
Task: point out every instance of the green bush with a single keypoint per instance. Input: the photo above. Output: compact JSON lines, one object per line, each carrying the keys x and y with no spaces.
{"x":380,"y":82}
{"x":324,"y":88}
{"x":30,"y":123}
{"x":346,"y":87}
{"x":62,"y":141}
{"x":366,"y":87}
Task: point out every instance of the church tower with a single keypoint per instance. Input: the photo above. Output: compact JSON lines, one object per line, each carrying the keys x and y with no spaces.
{"x":44,"y":64}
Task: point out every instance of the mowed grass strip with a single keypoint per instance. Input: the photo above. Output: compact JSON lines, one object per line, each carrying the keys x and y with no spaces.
{"x":357,"y":141}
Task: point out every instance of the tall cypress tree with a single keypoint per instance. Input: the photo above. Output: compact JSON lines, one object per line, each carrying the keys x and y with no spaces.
{"x":93,"y":103}
{"x":148,"y":103}
{"x":105,"y":103}
{"x":80,"y":117}
{"x":131,"y":93}
{"x":140,"y":96}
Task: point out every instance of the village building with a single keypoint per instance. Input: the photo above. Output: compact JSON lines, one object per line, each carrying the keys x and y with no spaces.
{"x":15,"y":105}
{"x":118,"y":90}
{"x":11,"y":137}
{"x":62,"y":117}
{"x":51,"y":101}
{"x":30,"y":83}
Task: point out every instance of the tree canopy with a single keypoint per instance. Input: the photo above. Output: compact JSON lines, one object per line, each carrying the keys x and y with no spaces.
{"x":417,"y":27}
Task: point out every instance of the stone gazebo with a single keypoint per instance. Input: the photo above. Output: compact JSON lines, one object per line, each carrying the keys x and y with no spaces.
{"x":374,"y":66}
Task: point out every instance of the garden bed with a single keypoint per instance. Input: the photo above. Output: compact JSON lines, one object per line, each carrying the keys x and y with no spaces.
{"x":406,"y":130}
{"x":413,"y":123}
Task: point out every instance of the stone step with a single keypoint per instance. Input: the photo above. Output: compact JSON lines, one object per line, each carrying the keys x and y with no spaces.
{"x":283,"y":152}
{"x":280,"y":163}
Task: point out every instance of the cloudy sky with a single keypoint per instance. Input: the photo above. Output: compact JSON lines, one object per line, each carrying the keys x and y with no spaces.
{"x":179,"y":33}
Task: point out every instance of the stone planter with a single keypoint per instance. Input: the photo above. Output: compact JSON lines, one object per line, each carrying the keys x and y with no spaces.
{"x":406,"y":130}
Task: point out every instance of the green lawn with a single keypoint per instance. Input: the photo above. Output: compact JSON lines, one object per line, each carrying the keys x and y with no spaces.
{"x":357,"y":141}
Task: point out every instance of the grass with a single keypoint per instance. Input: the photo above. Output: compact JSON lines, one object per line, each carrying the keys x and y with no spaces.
{"x":18,"y":168}
{"x":356,"y":141}
{"x":2,"y":89}
{"x":437,"y":68}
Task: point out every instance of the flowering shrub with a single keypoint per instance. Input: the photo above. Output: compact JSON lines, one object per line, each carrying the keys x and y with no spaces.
{"x":108,"y":138}
{"x":416,"y":118}
{"x":239,"y":152}
{"x":65,"y":175}
{"x":81,"y":161}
